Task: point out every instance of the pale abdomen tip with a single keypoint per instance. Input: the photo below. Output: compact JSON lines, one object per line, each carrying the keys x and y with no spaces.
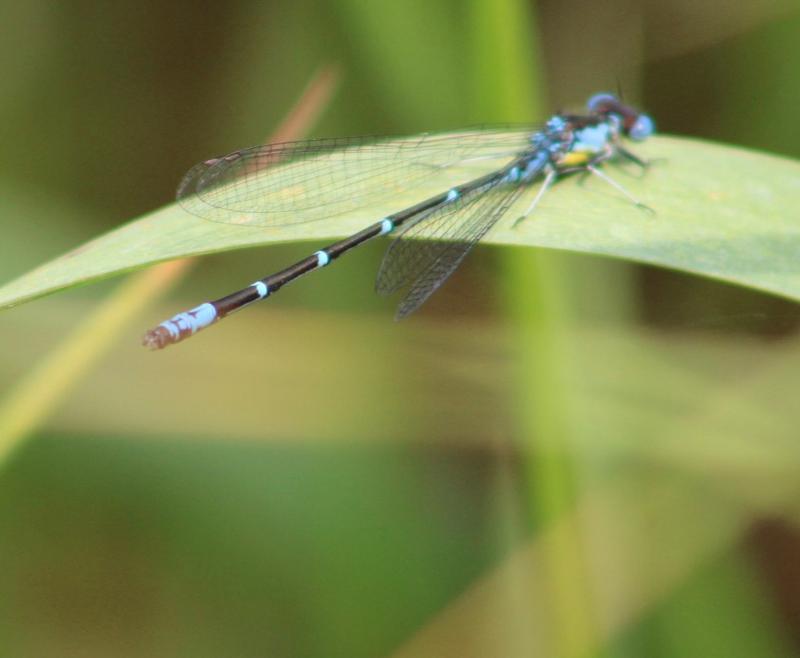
{"x":157,"y":338}
{"x":181,"y":326}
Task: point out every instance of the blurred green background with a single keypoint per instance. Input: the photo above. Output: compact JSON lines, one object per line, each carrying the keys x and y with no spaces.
{"x":561,"y":455}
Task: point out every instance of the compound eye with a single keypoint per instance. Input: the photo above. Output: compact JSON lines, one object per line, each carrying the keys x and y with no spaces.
{"x":642,"y":128}
{"x":598,"y":101}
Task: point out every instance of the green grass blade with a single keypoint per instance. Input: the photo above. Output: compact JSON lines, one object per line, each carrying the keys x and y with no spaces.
{"x":720,"y":211}
{"x":33,"y":398}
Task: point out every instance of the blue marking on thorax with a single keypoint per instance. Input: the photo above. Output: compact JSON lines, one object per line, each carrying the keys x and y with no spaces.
{"x":538,"y":139}
{"x":556,"y":124}
{"x":452,"y":195}
{"x":592,"y":138}
{"x":535,"y":165}
{"x":513,"y":175}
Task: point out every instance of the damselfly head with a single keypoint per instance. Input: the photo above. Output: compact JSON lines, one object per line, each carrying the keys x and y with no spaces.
{"x":635,"y":124}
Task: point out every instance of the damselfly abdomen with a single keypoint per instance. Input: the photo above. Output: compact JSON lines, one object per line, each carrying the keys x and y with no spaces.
{"x":306,"y":181}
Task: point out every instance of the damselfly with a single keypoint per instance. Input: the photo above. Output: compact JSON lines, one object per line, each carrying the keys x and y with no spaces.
{"x":296,"y":182}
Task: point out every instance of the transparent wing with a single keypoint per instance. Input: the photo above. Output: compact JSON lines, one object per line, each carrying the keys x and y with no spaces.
{"x":295,"y":182}
{"x":428,"y":251}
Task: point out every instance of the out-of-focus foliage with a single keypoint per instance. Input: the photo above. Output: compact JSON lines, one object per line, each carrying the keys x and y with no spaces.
{"x":310,"y":479}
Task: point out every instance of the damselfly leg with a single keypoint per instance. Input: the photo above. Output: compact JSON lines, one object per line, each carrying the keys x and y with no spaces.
{"x":547,"y":183}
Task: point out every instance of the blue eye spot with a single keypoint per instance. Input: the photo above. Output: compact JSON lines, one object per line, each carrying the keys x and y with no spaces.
{"x":642,"y":128}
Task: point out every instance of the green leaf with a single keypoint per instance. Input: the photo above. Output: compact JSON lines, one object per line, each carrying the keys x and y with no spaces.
{"x":721,"y":212}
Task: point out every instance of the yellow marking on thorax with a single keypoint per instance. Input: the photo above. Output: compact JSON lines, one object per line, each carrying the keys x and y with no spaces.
{"x":576,"y":158}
